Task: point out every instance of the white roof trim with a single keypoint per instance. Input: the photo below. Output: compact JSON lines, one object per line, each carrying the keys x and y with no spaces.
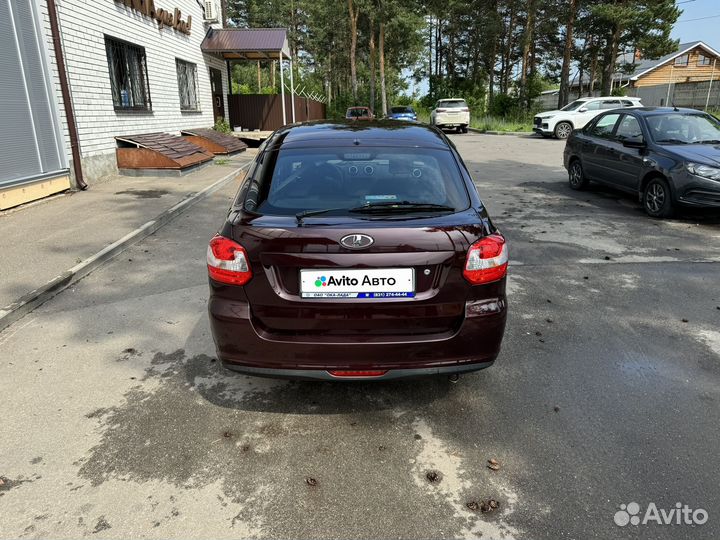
{"x":680,"y":53}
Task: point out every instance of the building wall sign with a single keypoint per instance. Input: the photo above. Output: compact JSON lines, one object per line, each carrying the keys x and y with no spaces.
{"x":163,"y":17}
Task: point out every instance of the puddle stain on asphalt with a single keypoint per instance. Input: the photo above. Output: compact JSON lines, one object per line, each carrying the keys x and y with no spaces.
{"x":278,"y":449}
{"x":442,"y":472}
{"x":144,"y":193}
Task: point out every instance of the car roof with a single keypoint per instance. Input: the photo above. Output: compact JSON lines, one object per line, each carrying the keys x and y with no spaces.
{"x":650,"y":111}
{"x":452,"y":99}
{"x":371,"y":133}
{"x":359,"y":107}
{"x":607,"y":98}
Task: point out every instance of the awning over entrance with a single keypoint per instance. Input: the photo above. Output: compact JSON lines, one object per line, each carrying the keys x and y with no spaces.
{"x":238,"y":44}
{"x":247,"y":43}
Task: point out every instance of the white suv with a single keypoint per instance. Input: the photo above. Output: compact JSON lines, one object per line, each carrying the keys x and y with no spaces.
{"x":576,"y":114}
{"x":451,"y":113}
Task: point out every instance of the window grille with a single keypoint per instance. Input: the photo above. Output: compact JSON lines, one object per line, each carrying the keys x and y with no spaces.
{"x":128,"y":75}
{"x":187,"y":85}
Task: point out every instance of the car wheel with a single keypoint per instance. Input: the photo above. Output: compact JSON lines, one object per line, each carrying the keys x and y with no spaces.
{"x":576,"y":176}
{"x":464,"y":129}
{"x":459,"y":129}
{"x":563,"y":130}
{"x":657,"y":198}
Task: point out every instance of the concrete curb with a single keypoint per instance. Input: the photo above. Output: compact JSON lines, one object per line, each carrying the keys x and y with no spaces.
{"x":515,"y":133}
{"x":28,"y":302}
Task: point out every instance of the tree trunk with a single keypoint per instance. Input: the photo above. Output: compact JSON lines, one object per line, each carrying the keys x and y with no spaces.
{"x":507,"y":64}
{"x":490,"y":60}
{"x":491,"y":71}
{"x":609,"y":61}
{"x":527,"y":42}
{"x":430,"y":57}
{"x":372,"y":64}
{"x":353,"y":46}
{"x":564,"y":95}
{"x":383,"y":92}
{"x":593,"y":67}
{"x":438,"y":52}
{"x":259,"y":76}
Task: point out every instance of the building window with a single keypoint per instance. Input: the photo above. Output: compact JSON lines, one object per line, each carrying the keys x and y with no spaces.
{"x":682,"y":61}
{"x":187,"y":85}
{"x":703,"y":60}
{"x":128,"y":75}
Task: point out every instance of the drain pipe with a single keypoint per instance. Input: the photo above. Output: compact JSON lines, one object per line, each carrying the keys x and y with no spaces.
{"x":65,"y":90}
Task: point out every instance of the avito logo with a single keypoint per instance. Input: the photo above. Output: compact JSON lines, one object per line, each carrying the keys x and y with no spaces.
{"x":345,"y":281}
{"x":682,"y":514}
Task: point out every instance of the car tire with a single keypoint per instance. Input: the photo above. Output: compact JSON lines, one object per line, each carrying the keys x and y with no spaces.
{"x":576,"y":176}
{"x":657,"y":198}
{"x":464,"y":129}
{"x":563,"y":130}
{"x":459,"y":129}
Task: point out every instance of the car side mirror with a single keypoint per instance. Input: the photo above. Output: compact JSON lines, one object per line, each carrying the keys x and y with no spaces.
{"x":634,"y":142}
{"x":582,"y":109}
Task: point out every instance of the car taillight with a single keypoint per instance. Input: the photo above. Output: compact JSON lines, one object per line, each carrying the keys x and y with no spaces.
{"x":465,"y":109}
{"x":440,"y":110}
{"x":357,"y":373}
{"x":227,"y":262}
{"x":487,"y":260}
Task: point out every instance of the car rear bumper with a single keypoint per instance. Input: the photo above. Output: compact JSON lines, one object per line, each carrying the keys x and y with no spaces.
{"x":241,"y":347}
{"x":324,"y":375}
{"x":452,"y":120}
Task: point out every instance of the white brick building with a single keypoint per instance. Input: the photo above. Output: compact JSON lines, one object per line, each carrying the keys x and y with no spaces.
{"x":128,"y":73}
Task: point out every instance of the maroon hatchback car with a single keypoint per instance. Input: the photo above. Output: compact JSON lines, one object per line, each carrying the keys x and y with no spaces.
{"x":357,"y":251}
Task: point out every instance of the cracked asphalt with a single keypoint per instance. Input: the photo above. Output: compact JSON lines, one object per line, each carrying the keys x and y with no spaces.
{"x":116,"y":420}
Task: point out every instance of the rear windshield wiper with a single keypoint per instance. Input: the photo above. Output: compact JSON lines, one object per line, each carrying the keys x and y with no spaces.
{"x":309,"y":213}
{"x":400,"y":206}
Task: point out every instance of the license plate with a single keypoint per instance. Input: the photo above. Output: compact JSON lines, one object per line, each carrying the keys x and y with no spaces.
{"x":371,"y":283}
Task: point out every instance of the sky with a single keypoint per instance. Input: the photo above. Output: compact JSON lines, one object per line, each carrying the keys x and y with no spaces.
{"x":705,"y":28}
{"x":700,"y":21}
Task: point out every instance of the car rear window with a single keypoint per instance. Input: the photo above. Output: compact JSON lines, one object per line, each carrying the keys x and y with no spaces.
{"x":345,"y":178}
{"x":355,"y":113}
{"x":453,"y":104}
{"x":397,"y":110}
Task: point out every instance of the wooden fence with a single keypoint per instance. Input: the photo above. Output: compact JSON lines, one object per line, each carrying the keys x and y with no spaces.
{"x":264,"y":111}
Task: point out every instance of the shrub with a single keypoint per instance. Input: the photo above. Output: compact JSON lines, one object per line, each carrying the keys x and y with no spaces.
{"x":222,"y":125}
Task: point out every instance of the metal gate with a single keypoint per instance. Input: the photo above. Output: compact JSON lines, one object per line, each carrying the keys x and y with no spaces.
{"x":31,"y":143}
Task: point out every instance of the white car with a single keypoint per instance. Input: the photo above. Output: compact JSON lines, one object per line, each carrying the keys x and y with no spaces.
{"x":450,"y":113}
{"x":576,"y":114}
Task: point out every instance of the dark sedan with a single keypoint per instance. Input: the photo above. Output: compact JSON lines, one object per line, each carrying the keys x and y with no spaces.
{"x":402,"y":113}
{"x":357,"y":251}
{"x":667,"y":156}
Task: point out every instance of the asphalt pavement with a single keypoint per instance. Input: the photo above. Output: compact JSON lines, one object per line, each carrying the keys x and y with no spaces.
{"x":117,"y":421}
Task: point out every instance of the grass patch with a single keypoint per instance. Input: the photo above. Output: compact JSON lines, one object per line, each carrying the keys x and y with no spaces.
{"x":221,"y":161}
{"x":505,"y":124}
{"x":486,"y":122}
